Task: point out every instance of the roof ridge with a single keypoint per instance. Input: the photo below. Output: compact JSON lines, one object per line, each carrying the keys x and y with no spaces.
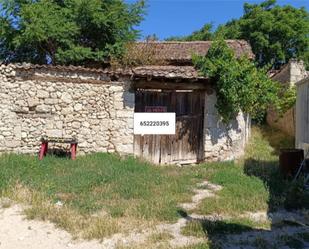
{"x":189,"y":42}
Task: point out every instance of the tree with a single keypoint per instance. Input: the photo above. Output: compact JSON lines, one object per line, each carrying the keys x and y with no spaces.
{"x":204,"y":34}
{"x":240,"y":85}
{"x":275,"y":33}
{"x":66,"y":31}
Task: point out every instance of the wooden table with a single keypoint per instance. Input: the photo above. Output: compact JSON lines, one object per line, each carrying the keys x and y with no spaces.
{"x":46,"y":140}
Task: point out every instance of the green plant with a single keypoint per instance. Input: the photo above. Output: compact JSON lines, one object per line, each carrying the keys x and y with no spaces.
{"x":137,"y":54}
{"x":240,"y":86}
{"x":67,"y":32}
{"x":287,"y":100}
{"x":276,"y":33}
{"x":297,"y":197}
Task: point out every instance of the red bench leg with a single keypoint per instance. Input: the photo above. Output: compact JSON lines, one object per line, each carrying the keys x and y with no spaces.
{"x":43,"y":150}
{"x":73,"y":151}
{"x":46,"y":148}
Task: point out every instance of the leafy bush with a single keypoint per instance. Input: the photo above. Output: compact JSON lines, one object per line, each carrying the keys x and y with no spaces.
{"x":287,"y":100}
{"x":240,"y":86}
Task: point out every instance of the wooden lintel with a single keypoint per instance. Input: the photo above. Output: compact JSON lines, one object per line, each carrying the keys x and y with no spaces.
{"x":171,"y":85}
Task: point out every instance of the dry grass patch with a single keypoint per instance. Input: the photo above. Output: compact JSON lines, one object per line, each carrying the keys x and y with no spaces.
{"x":84,"y":226}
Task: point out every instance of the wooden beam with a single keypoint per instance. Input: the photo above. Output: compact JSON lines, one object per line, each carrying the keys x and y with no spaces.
{"x":171,"y":85}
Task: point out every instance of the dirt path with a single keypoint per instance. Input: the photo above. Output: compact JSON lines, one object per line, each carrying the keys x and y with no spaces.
{"x":16,"y":232}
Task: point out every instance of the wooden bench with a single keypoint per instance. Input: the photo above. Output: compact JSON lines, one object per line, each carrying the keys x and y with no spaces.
{"x":46,"y":140}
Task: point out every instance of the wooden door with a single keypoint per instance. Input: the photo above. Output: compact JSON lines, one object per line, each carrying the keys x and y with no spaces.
{"x":186,"y":146}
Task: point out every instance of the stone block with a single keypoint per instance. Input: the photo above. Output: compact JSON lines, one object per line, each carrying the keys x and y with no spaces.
{"x":125,"y":148}
{"x":50,"y":101}
{"x":78,"y":107}
{"x":116,"y":89}
{"x":12,"y":143}
{"x":66,"y":98}
{"x":76,"y":125}
{"x":54,"y":133}
{"x":42,"y":94}
{"x":124,"y":114}
{"x":32,"y":102}
{"x":67,"y":110}
{"x":43,"y":109}
{"x":21,"y":103}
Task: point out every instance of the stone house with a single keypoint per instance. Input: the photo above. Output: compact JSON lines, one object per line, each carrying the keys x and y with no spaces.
{"x":288,"y":75}
{"x":96,"y":106}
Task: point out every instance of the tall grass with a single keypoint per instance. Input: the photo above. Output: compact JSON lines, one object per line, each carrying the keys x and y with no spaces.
{"x":102,"y":194}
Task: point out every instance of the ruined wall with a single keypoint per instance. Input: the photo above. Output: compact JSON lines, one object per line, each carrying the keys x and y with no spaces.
{"x":84,"y":104}
{"x":285,"y":122}
{"x":291,"y":73}
{"x":224,"y":141}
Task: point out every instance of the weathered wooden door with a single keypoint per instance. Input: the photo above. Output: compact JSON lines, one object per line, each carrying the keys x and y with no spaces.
{"x":186,"y":146}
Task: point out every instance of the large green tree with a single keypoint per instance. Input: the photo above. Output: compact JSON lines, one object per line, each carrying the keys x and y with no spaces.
{"x":66,"y":31}
{"x":276,"y":33}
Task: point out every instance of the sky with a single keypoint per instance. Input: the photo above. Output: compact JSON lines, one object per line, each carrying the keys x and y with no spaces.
{"x":167,"y":18}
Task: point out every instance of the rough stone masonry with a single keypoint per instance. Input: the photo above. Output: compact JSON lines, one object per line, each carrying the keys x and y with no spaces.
{"x":93,"y":106}
{"x":62,"y":103}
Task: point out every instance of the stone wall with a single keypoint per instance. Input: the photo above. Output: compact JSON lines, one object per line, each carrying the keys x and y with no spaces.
{"x":285,"y":122}
{"x":93,"y":107}
{"x":224,"y":141}
{"x":44,"y":101}
{"x":290,"y":74}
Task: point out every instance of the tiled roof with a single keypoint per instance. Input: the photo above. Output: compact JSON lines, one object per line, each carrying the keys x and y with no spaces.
{"x":182,"y":51}
{"x":179,"y":53}
{"x":168,"y":72}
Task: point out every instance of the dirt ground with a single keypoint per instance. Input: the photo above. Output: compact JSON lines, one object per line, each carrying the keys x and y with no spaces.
{"x":16,"y":232}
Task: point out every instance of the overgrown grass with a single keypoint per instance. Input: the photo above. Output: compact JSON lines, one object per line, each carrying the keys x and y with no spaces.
{"x":254,"y":183}
{"x":102,"y":194}
{"x":121,"y":187}
{"x":124,"y":191}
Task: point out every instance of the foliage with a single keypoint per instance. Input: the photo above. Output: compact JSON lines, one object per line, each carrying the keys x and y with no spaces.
{"x":287,"y":99}
{"x":137,"y":54}
{"x":204,"y":34}
{"x":240,"y":86}
{"x":66,"y":31}
{"x":276,"y":33}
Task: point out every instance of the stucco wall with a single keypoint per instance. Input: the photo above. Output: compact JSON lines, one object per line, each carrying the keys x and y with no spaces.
{"x":224,"y":141}
{"x":302,"y":115}
{"x":85,"y":105}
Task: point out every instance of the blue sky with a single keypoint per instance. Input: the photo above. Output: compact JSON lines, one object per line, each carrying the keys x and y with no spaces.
{"x":167,"y":18}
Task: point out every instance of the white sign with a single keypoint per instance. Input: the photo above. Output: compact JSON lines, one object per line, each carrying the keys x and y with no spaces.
{"x":148,"y":123}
